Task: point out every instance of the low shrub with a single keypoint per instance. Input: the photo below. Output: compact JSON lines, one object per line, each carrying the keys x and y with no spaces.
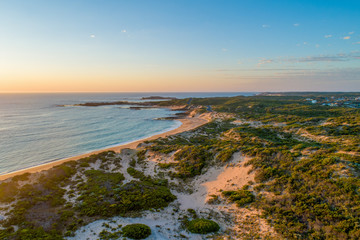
{"x":141,"y":156}
{"x":135,"y":173}
{"x":136,"y":231}
{"x":202,"y":226}
{"x":241,"y":197}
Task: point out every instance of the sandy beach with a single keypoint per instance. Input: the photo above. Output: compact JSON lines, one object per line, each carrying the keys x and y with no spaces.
{"x":187,"y":124}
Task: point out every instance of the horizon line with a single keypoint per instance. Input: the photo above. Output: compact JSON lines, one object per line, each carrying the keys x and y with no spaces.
{"x":291,"y":91}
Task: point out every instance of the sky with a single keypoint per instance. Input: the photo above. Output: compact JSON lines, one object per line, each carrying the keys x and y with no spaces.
{"x":179,"y":45}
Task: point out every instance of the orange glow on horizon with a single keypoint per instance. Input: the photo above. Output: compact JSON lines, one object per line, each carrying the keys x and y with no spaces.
{"x":154,"y":83}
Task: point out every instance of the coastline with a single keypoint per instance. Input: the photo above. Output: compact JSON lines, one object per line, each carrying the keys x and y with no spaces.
{"x":188,"y":123}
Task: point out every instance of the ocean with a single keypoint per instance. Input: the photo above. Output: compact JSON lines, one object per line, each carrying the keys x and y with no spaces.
{"x":35,"y":130}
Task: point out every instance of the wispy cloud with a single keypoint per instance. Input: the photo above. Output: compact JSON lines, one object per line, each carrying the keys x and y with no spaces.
{"x":296,"y":24}
{"x":328,"y":36}
{"x":346,"y":38}
{"x":92,"y":36}
{"x":265,"y":61}
{"x":328,"y":75}
{"x":263,"y":69}
{"x":265,"y":26}
{"x":303,"y":79}
{"x":351,"y":33}
{"x":341,"y":57}
{"x":226,"y":70}
{"x":123,"y":31}
{"x":224,"y":49}
{"x":332,"y":76}
{"x":356,"y":43}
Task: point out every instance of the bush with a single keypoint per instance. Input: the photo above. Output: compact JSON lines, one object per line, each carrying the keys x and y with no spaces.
{"x":22,"y":177}
{"x":241,"y":197}
{"x":191,"y":160}
{"x":136,"y":231}
{"x":8,"y":191}
{"x":135,"y":173}
{"x":141,"y":156}
{"x":202,"y":226}
{"x":132,"y":163}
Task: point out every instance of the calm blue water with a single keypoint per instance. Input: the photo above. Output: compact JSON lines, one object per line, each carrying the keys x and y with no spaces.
{"x":33,"y":130}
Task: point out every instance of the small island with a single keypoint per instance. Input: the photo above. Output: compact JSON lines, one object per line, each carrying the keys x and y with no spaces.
{"x":157,"y":98}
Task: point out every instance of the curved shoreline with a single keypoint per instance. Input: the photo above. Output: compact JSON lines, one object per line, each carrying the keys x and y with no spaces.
{"x":187,"y":124}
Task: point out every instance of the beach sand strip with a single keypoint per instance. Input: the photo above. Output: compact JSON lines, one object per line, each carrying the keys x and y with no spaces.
{"x":188,"y":123}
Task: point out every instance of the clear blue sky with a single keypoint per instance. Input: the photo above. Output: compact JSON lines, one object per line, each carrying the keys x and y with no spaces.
{"x":179,"y":45}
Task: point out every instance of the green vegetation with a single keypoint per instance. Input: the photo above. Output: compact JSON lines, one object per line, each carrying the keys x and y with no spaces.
{"x":40,"y":210}
{"x":202,"y":226}
{"x":191,"y":161}
{"x":106,"y":235}
{"x":195,"y":153}
{"x":7,"y":191}
{"x":240,"y":197}
{"x":305,"y":155}
{"x":110,"y":198}
{"x":136,"y":231}
{"x":141,"y":156}
{"x":135,"y":173}
{"x":305,"y":158}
